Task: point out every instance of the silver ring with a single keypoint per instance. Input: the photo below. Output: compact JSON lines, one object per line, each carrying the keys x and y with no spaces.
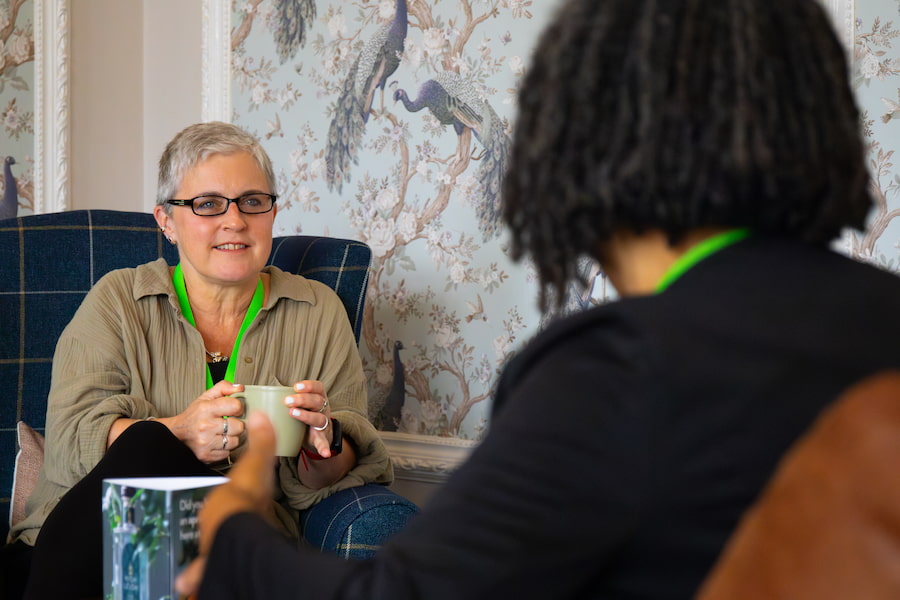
{"x":224,"y":441}
{"x":323,"y":427}
{"x":324,"y":406}
{"x":225,"y":431}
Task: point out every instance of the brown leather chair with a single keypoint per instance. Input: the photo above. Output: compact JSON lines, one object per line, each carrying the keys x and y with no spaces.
{"x":827,"y":526}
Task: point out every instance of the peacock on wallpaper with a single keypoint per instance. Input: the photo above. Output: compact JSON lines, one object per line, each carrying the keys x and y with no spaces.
{"x":389,"y":122}
{"x":16,"y":107}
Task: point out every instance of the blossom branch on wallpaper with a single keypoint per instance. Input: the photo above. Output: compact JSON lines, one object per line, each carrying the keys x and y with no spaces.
{"x":872,"y":62}
{"x":240,"y":33}
{"x":16,"y":45}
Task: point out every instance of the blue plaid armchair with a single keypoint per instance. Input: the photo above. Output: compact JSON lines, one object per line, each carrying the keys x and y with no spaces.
{"x":49,"y":264}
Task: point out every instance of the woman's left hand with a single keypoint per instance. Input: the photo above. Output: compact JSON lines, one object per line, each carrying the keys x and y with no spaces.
{"x":310,"y":405}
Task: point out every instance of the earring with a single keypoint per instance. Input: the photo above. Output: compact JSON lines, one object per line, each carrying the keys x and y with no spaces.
{"x":168,"y":239}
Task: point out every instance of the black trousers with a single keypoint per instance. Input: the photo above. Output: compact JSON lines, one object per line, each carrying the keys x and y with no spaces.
{"x":67,"y":560}
{"x":15,"y":562}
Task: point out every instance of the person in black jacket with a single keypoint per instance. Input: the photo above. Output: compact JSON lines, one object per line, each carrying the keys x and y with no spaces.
{"x":705,"y":152}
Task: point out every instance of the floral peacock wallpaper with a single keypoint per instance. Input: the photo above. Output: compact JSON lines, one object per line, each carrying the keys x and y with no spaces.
{"x":16,"y":107}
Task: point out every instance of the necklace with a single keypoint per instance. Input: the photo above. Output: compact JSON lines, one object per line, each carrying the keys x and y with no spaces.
{"x":185,"y":305}
{"x":216,"y":357}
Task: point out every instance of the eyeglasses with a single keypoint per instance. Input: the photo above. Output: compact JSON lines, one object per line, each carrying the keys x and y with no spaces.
{"x":212,"y":205}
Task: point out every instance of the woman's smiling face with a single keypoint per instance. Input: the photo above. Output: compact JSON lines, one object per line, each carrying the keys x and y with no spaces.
{"x":230,"y":248}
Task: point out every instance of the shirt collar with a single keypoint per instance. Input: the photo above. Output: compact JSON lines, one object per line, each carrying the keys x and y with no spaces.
{"x":155,"y":278}
{"x":698,"y":252}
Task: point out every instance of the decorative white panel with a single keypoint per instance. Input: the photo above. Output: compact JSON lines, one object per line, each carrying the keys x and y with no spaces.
{"x":51,"y":127}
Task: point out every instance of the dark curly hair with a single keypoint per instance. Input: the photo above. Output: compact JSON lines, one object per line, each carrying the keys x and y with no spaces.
{"x":676,"y":114}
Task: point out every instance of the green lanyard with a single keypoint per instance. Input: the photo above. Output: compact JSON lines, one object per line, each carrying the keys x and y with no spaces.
{"x":255,"y":304}
{"x":697,"y":253}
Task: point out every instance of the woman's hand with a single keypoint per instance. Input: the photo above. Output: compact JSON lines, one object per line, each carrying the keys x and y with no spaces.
{"x":310,"y":405}
{"x":202,"y":426}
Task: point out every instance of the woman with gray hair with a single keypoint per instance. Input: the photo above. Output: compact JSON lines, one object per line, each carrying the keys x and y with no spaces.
{"x":142,"y":375}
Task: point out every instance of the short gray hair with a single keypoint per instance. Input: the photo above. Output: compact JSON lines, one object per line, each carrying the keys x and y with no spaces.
{"x":195,"y":143}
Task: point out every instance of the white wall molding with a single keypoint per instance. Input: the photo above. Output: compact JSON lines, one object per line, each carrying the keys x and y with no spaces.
{"x":425,"y":458}
{"x":844,"y":17}
{"x":51,"y":127}
{"x":216,"y":65}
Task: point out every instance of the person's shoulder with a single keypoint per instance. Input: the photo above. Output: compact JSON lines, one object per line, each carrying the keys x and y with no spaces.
{"x":118,"y":291}
{"x":298,"y":288}
{"x":869,"y":269}
{"x":147,"y":279}
{"x":776,"y":266}
{"x":608,"y":345}
{"x":623,"y":316}
{"x":775,"y":253}
{"x":613,"y":330}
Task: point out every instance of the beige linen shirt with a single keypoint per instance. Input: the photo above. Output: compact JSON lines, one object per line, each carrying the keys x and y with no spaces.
{"x":129,"y":352}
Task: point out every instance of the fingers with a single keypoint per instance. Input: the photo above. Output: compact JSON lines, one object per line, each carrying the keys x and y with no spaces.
{"x":310,"y":403}
{"x":221,"y":403}
{"x":311,"y":418}
{"x":230,"y":426}
{"x":220,"y":394}
{"x":215,"y":403}
{"x":310,"y":396}
{"x":320,"y":440}
{"x":203,"y":426}
{"x":223,"y":388}
{"x":188,"y":583}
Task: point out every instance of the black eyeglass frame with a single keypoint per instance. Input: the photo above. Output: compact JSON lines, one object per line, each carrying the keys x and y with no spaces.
{"x":236,"y":201}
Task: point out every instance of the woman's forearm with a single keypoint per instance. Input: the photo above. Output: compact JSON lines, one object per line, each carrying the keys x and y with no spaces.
{"x":317,"y":473}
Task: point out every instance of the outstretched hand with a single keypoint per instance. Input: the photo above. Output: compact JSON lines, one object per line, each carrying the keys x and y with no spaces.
{"x":250,"y":489}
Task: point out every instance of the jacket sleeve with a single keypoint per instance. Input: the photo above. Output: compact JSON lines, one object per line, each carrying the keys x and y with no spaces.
{"x":249,"y":559}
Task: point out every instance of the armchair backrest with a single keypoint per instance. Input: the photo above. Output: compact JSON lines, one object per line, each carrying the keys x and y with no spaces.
{"x":51,"y":261}
{"x":342,"y":265}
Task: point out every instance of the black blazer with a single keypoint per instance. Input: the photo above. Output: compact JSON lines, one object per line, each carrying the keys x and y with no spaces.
{"x":627,"y":440}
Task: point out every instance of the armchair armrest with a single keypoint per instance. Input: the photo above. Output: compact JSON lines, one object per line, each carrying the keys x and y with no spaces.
{"x":355,"y":522}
